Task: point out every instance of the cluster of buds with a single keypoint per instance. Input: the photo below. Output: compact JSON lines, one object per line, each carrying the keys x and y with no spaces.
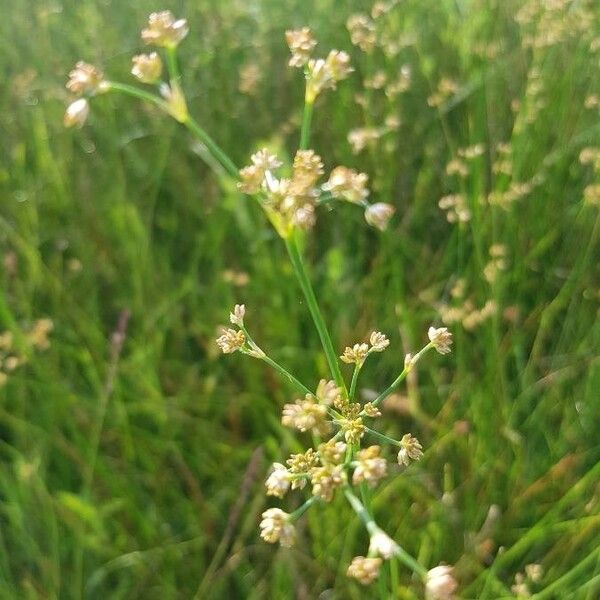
{"x":234,"y":340}
{"x":291,"y":202}
{"x":342,"y":462}
{"x":85,"y":80}
{"x":358,"y":353}
{"x":321,"y":73}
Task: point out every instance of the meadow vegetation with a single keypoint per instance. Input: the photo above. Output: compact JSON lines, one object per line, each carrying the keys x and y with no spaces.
{"x":134,"y":454}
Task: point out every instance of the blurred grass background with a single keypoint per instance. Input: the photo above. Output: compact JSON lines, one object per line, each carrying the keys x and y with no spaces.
{"x":140,"y":474}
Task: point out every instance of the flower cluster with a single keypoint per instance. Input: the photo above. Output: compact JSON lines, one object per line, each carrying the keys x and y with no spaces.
{"x":342,"y":462}
{"x":291,"y":202}
{"x":85,"y":80}
{"x":321,"y":73}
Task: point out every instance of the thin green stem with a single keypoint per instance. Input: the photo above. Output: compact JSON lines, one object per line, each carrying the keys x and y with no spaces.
{"x":302,"y":509}
{"x":306,"y":121}
{"x":402,"y":376}
{"x":281,"y":370}
{"x":311,"y":300}
{"x":354,"y":382}
{"x":172,"y":67}
{"x":212,"y":147}
{"x":135,"y":92}
{"x":286,"y":374}
{"x":372,"y":528}
{"x":381,"y":437}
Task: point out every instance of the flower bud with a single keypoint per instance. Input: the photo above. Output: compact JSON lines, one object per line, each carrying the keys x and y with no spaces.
{"x":77,"y":112}
{"x":147,"y":67}
{"x":378,"y":214}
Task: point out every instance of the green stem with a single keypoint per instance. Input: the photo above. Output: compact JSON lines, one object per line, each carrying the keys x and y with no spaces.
{"x":372,"y":528}
{"x":287,"y":375}
{"x":135,"y":92}
{"x":306,"y":121}
{"x":311,"y":300}
{"x":282,"y":370}
{"x":300,"y":511}
{"x":172,"y":64}
{"x":382,"y":438}
{"x":212,"y":147}
{"x":401,"y":377}
{"x":354,"y":382}
{"x":190,"y":123}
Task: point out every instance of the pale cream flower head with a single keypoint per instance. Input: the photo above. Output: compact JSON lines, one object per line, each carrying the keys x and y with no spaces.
{"x":357,"y":354}
{"x":231,"y":340}
{"x":147,"y":68}
{"x":301,"y":43}
{"x":410,"y":449}
{"x":382,"y":544}
{"x":77,"y":113}
{"x":278,"y":482}
{"x":323,"y":74}
{"x":440,"y":583}
{"x":164,"y":30}
{"x":236,"y":317}
{"x":378,"y":215}
{"x":277,"y":527}
{"x":86,"y":79}
{"x":379,"y":341}
{"x":370,"y":468}
{"x":441,"y":339}
{"x":365,"y":570}
{"x":347,"y":184}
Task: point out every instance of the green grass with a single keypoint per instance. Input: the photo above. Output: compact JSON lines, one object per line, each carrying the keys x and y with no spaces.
{"x":150,"y":484}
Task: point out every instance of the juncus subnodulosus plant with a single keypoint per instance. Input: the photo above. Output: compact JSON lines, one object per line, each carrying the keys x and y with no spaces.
{"x":341,"y":460}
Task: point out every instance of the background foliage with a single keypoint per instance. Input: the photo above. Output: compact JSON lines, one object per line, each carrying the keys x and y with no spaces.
{"x":141,"y":475}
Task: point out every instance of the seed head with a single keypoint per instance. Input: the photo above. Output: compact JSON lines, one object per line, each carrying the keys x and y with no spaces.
{"x":323,"y":74}
{"x":307,"y":169}
{"x":85,"y":79}
{"x":264,"y":160}
{"x":251,"y":179}
{"x":378,"y":215}
{"x":371,"y":410}
{"x":327,"y":392}
{"x":163,"y":30}
{"x":378,"y":341}
{"x":362,"y":32}
{"x":353,"y":430}
{"x":326,"y":479}
{"x":301,"y":43}
{"x":231,"y":340}
{"x":332,"y":452}
{"x":365,"y":570}
{"x":77,"y":113}
{"x":440,"y":583}
{"x":278,"y":482}
{"x":381,"y":543}
{"x":356,"y":354}
{"x":371,"y":467}
{"x":306,"y":415}
{"x":302,"y":463}
{"x":347,"y":184}
{"x":276,"y":527}
{"x":147,"y":68}
{"x":441,"y":339}
{"x":411,"y":449}
{"x":237,"y":316}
